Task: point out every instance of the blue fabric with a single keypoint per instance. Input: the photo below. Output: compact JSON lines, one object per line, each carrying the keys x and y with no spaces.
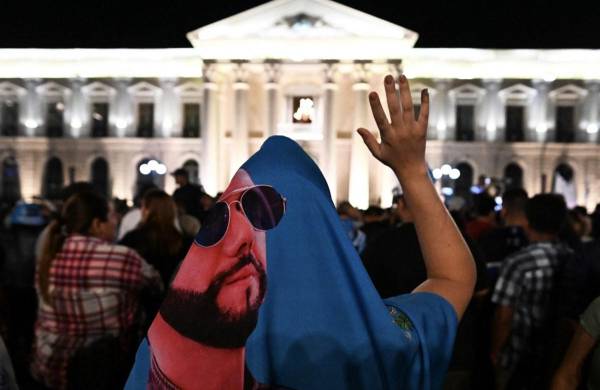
{"x":138,"y":377}
{"x":322,"y":324}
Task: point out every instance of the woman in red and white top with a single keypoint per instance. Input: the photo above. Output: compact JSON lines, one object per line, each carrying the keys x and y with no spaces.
{"x":88,"y":288}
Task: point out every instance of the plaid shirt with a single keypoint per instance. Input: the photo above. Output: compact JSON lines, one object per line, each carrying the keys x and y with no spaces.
{"x":93,"y":288}
{"x":526,"y":283}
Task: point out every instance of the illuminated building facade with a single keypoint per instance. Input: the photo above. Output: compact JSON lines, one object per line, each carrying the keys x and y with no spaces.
{"x":301,"y":68}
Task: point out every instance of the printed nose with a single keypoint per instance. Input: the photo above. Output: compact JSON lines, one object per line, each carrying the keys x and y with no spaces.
{"x":240,"y":235}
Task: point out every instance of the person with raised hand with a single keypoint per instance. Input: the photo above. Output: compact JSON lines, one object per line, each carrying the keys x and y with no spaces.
{"x":450,"y":266}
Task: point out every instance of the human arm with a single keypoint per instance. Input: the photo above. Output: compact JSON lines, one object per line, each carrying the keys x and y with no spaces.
{"x":568,"y":375}
{"x":449,"y":263}
{"x":587,"y":333}
{"x":501,"y":326}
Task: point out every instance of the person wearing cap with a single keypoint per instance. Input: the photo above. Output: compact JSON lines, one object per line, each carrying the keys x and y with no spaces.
{"x":188,"y":195}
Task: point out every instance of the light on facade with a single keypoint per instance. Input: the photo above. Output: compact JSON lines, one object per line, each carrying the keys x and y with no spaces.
{"x":76,"y":123}
{"x":454,"y":174}
{"x":592,"y":128}
{"x":448,"y":191}
{"x":121,"y":124}
{"x":305,"y":111}
{"x":31,"y":123}
{"x":153,"y":166}
{"x":446,"y":169}
{"x":437,"y":173}
{"x":145,"y":169}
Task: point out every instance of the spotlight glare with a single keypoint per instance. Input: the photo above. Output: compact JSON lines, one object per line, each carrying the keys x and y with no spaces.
{"x":145,"y":169}
{"x":454,"y":174}
{"x":161,"y":169}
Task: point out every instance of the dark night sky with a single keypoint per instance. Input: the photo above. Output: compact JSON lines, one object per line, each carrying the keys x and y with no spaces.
{"x":482,"y":24}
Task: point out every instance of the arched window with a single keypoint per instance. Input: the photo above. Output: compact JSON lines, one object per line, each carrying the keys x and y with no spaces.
{"x":513,"y":176}
{"x":149,"y":172}
{"x":11,"y":184}
{"x":193,"y":169}
{"x":99,"y":176}
{"x":53,"y":178}
{"x":462,"y":185}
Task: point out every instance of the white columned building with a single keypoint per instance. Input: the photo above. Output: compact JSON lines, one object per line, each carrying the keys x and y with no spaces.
{"x":301,"y":68}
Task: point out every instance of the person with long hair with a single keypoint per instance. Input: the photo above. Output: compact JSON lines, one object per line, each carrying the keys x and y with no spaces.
{"x":87,"y":287}
{"x":156,"y":238}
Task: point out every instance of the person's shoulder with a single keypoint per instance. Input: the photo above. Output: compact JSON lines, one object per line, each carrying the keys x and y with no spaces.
{"x":118,"y":252}
{"x":521,"y":258}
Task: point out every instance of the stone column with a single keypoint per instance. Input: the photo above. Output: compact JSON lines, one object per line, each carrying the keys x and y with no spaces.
{"x":209,"y":164}
{"x":439,"y":112}
{"x":589,"y":130}
{"x":359,"y":155}
{"x":538,"y":129}
{"x":491,"y":120}
{"x":273,"y":72}
{"x":121,"y":112}
{"x":170,"y":110}
{"x":30,"y":114}
{"x":239,"y":133}
{"x":329,"y":151}
{"x":77,"y":111}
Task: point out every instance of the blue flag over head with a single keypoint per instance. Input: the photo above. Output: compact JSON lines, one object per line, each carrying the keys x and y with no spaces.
{"x":322,"y":324}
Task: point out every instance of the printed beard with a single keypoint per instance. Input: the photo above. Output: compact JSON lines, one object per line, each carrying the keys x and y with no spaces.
{"x":198,"y":317}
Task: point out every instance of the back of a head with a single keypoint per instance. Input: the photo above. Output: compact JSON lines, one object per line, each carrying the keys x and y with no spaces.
{"x":484,"y":204}
{"x":137,"y":199}
{"x":81,"y":209}
{"x":344,"y":208}
{"x":76,"y":188}
{"x":514,"y":201}
{"x":546,"y":213}
{"x":160,"y":207}
{"x":373,"y":214}
{"x":159,"y":222}
{"x":77,"y":216}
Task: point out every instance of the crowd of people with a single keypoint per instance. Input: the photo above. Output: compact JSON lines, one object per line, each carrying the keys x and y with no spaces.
{"x":83,"y":278}
{"x":538,"y":270}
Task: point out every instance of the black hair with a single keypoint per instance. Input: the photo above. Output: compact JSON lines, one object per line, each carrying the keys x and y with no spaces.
{"x":546,"y":213}
{"x":514,"y":200}
{"x":484,"y":204}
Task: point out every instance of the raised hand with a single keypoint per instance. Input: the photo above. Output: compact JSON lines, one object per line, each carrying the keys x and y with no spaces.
{"x":402,"y":146}
{"x":450,"y":267}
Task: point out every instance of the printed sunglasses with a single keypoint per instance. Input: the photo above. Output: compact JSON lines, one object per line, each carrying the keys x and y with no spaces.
{"x":262,"y":206}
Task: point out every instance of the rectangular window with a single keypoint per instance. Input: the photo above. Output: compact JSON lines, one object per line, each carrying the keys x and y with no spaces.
{"x":565,"y":124}
{"x":9,"y":118}
{"x":515,"y":124}
{"x":55,"y":119}
{"x":99,"y":120}
{"x":465,"y":122}
{"x":145,"y":127}
{"x":303,"y":109}
{"x":191,"y":120}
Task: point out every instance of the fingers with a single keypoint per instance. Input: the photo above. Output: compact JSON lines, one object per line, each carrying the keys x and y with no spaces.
{"x":424,"y":114}
{"x":408,"y":115}
{"x":371,"y":142}
{"x":392,"y":100}
{"x":379,"y":114}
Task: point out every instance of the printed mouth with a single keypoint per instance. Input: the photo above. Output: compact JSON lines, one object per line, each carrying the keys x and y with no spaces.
{"x":245,"y":272}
